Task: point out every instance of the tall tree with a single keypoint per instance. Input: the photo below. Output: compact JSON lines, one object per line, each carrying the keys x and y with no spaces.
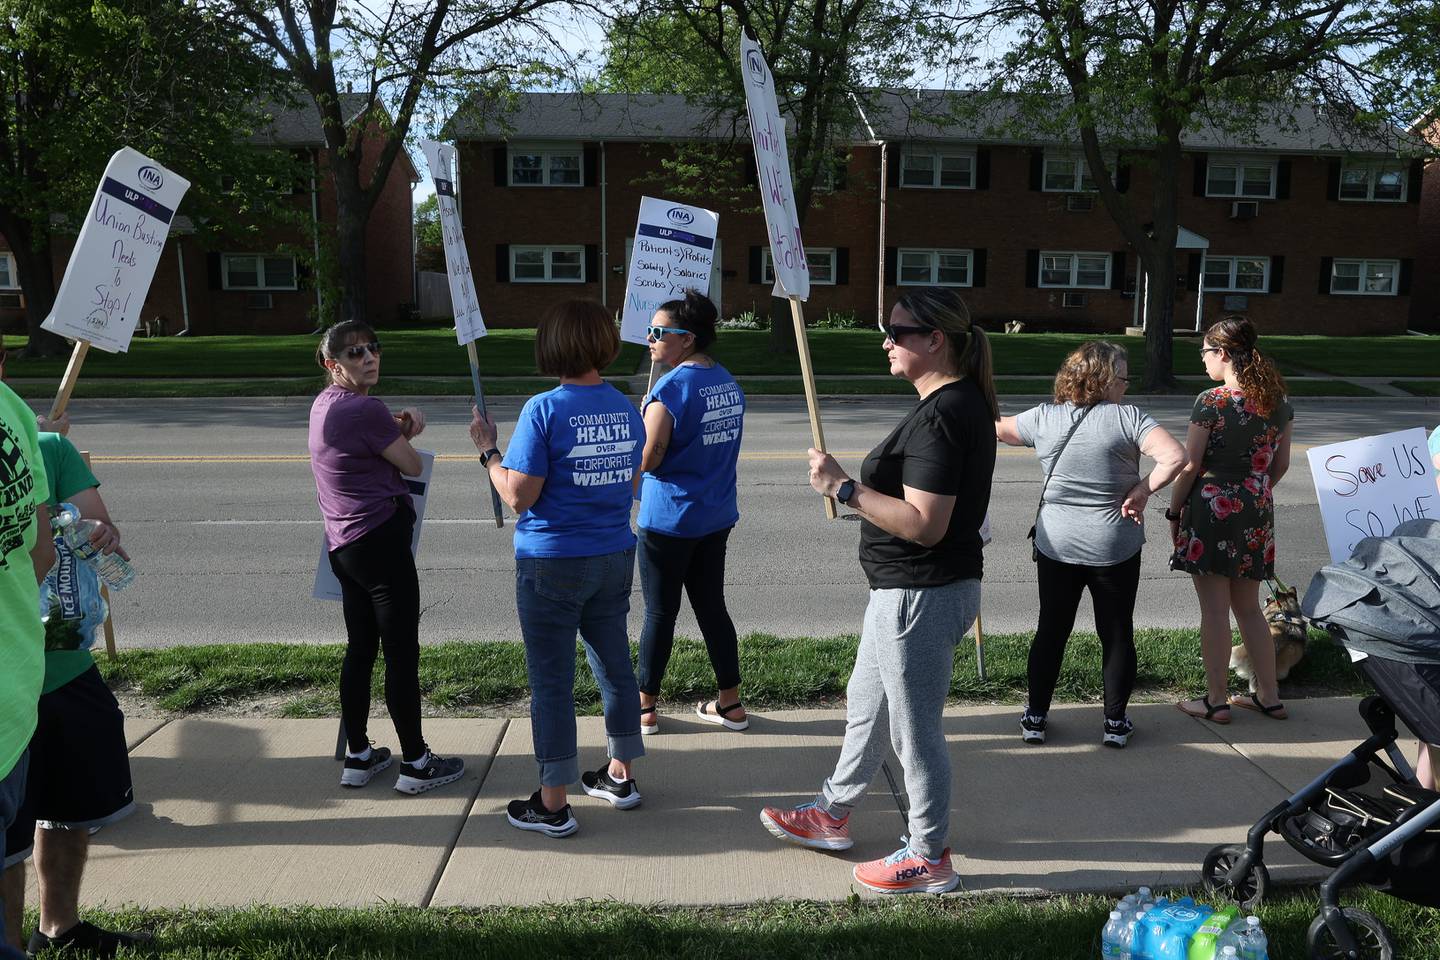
{"x":1140,"y":74}
{"x":828,"y":58}
{"x":81,"y":78}
{"x":398,"y":53}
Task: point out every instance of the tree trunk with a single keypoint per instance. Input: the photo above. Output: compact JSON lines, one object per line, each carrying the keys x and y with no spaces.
{"x":36,"y":272}
{"x":1160,"y":322}
{"x":352,"y":217}
{"x":782,"y":328}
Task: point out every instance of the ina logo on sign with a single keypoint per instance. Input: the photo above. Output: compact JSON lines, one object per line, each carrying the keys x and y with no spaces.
{"x":151,"y":178}
{"x":680,"y":216}
{"x":756,"y":64}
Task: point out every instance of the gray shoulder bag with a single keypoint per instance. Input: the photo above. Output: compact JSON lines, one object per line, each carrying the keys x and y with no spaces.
{"x":1034,"y":550}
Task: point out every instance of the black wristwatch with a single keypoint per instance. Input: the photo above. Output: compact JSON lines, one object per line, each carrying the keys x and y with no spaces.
{"x":1175,"y":517}
{"x":846,"y":491}
{"x":492,"y":452}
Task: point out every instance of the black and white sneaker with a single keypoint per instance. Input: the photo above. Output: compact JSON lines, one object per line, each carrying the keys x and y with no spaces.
{"x":359,"y":772}
{"x":532,"y":815}
{"x":85,"y":938}
{"x":436,"y":772}
{"x":1032,"y":728}
{"x":622,"y":795}
{"x":1117,"y":733}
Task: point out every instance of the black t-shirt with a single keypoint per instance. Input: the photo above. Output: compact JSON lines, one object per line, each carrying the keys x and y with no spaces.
{"x":946,"y":445}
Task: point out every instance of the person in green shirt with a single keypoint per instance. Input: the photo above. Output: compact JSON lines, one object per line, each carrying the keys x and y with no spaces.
{"x":79,"y":766}
{"x":25,"y":556}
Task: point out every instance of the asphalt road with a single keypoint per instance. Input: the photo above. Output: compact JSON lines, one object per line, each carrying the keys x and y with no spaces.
{"x":217,"y":506}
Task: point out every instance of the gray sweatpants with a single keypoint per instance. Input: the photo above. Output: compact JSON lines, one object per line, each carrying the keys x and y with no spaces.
{"x":896,"y":698}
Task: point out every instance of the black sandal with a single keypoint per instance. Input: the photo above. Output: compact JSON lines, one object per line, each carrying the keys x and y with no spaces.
{"x":1210,"y":710}
{"x":720,"y":716}
{"x":646,"y":729}
{"x":1276,"y":711}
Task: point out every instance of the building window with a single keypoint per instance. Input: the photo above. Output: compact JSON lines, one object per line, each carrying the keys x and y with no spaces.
{"x":1067,"y":173}
{"x":547,"y":264}
{"x":253,"y":271}
{"x":1090,"y":270}
{"x":945,"y":268}
{"x":1237,"y":274}
{"x":1365,"y":277}
{"x":1232,"y":177}
{"x":1382,"y":181}
{"x":7,"y":272}
{"x":548,"y":166}
{"x":821,"y":261}
{"x":946,"y":169}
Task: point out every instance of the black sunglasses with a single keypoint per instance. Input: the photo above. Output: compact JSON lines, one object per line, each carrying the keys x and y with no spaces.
{"x":357,"y":350}
{"x":894,"y":331}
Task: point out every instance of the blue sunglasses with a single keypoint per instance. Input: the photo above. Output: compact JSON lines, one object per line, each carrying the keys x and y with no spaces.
{"x":658,"y":333}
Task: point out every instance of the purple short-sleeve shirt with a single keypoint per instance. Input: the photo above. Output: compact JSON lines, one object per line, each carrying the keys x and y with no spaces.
{"x":355,"y":485}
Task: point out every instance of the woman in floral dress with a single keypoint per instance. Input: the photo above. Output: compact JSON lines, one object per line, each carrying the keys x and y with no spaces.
{"x":1222,"y":514}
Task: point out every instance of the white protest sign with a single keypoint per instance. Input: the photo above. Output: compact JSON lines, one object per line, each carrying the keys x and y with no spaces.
{"x":1368,"y":487}
{"x":772,"y":165}
{"x":116,"y":254}
{"x":674,"y":250}
{"x":469,"y":325}
{"x":326,"y":586}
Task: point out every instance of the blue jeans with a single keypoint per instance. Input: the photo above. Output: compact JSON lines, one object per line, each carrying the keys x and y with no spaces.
{"x":556,"y":596}
{"x":12,"y":795}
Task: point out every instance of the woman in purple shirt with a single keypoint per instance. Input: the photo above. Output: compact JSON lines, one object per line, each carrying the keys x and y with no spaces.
{"x":358,"y":452}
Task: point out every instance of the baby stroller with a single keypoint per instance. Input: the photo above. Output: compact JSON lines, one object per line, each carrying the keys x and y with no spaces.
{"x":1382,"y":603}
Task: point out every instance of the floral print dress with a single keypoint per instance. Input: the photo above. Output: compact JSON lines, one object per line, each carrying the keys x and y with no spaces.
{"x":1228,"y":527}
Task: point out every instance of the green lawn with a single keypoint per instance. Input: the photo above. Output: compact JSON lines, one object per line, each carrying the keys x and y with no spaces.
{"x":943,"y":928}
{"x":408,"y":353}
{"x":1358,"y":356}
{"x":288,"y":387}
{"x":1327,"y":388}
{"x":465,"y":675}
{"x":1421,"y":388}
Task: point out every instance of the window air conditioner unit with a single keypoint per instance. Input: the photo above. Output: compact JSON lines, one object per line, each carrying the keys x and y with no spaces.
{"x":1073,"y":300}
{"x":1244,"y":210}
{"x":11,"y":301}
{"x":259,"y":301}
{"x":1079,"y":202}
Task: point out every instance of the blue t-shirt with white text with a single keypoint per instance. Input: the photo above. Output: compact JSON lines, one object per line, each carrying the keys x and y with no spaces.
{"x":586,"y":442}
{"x":692,"y":492}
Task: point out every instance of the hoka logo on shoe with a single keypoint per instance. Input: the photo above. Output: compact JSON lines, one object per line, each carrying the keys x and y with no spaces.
{"x":910,"y":873}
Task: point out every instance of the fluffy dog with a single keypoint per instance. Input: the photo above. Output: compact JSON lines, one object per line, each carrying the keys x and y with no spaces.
{"x":1287,"y":628}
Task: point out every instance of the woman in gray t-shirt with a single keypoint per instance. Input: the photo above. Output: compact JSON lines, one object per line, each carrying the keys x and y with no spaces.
{"x":1090,"y":525}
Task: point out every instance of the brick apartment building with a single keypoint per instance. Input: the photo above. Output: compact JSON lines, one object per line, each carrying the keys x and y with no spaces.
{"x":256,"y":286}
{"x":1300,"y":234}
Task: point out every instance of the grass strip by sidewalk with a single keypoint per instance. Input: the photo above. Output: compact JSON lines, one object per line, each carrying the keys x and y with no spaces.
{"x":779,"y":672}
{"x":1421,"y":388}
{"x":954,"y":928}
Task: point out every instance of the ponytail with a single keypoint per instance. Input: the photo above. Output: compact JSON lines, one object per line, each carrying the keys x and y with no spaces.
{"x":979,"y":365}
{"x":940,"y":308}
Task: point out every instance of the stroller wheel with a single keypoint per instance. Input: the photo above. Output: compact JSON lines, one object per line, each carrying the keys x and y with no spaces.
{"x":1371,"y":935}
{"x":1250,"y":889}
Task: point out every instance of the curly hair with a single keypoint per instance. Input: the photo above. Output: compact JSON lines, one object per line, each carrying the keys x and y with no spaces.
{"x":1086,"y":376}
{"x":1259,"y":378}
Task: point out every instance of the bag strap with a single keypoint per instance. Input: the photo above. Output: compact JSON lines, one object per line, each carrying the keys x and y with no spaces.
{"x":1056,"y":462}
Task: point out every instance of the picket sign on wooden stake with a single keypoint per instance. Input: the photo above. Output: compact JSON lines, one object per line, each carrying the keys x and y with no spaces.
{"x":979,"y":647}
{"x":480,"y":404}
{"x":72,"y":375}
{"x":812,"y":400}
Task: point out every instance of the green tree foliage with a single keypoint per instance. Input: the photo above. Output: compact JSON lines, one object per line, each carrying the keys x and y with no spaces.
{"x":1136,"y":76}
{"x":403,"y":55}
{"x":81,"y":78}
{"x":828,"y":57}
{"x":429,"y":238}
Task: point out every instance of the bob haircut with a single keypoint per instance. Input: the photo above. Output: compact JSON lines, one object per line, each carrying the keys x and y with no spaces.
{"x":1088,"y":373}
{"x":575,"y":337}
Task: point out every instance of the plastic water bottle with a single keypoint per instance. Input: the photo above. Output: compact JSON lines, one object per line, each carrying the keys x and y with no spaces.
{"x":1227,"y":953}
{"x":1112,"y":938}
{"x":114,"y":570}
{"x":1254,"y":945}
{"x":1138,"y":949}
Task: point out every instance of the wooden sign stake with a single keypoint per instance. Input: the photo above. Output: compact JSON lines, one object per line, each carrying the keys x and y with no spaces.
{"x":654,"y":375}
{"x":812,"y":401}
{"x":72,"y":374}
{"x":480,"y":403}
{"x":979,"y":646}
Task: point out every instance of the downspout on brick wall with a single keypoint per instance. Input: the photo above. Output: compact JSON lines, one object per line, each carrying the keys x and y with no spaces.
{"x":184,"y":298}
{"x":604,"y":238}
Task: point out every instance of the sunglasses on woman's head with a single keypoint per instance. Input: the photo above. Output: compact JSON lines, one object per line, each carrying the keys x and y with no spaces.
{"x":657,"y":333}
{"x":357,"y":350}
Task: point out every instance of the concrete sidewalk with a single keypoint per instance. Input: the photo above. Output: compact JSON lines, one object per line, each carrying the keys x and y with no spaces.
{"x":235,"y":812}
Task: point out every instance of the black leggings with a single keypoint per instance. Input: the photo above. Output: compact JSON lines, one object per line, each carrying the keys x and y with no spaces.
{"x":1112,"y":591}
{"x":381,"y":596}
{"x":696,"y":565}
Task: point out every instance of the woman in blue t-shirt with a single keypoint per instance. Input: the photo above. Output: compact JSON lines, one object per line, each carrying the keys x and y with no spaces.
{"x":693,"y":421}
{"x":569,"y":474}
